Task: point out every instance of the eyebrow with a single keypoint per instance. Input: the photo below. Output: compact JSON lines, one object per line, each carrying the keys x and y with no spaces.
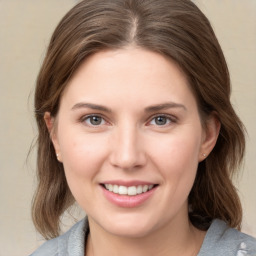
{"x":91,"y":106}
{"x":153,"y":108}
{"x":164,"y":106}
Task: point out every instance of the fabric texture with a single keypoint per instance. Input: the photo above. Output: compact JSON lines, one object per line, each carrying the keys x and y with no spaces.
{"x":220,"y":240}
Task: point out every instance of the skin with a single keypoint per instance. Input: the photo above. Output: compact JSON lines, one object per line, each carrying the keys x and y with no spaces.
{"x":127,"y":144}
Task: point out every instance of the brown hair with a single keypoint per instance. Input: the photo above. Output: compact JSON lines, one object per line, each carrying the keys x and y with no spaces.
{"x":174,"y":28}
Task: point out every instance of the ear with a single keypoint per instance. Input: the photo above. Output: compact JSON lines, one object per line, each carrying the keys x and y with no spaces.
{"x":49,"y":121}
{"x":210,"y":136}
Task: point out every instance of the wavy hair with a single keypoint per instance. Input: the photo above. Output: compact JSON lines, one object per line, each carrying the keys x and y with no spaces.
{"x":173,"y":28}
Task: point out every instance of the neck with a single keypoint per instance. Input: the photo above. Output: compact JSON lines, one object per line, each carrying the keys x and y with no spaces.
{"x":172,"y":239}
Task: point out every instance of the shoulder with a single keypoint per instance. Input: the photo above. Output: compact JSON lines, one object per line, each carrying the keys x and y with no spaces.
{"x":70,"y":243}
{"x":222,"y":240}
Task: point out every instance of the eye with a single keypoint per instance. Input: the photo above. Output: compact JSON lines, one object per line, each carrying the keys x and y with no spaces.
{"x":94,"y":120}
{"x":160,"y":120}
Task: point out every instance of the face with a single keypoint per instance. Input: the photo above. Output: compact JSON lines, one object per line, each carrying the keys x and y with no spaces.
{"x":129,"y":135}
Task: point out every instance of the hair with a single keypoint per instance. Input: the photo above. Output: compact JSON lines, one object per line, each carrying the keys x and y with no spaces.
{"x":176,"y":29}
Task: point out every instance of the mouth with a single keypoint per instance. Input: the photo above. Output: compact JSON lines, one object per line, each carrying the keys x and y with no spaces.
{"x":128,"y":194}
{"x":128,"y":190}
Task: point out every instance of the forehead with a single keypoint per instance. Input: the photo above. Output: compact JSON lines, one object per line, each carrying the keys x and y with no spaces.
{"x":131,"y":73}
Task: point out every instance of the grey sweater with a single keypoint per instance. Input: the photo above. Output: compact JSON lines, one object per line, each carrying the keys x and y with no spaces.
{"x":220,"y":240}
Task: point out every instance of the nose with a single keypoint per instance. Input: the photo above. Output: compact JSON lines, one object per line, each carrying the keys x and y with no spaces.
{"x":127,"y":151}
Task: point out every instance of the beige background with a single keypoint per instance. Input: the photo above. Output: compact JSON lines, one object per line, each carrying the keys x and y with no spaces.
{"x":25,"y":28}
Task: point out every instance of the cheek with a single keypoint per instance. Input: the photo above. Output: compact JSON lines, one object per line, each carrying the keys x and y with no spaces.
{"x":82,"y":160}
{"x":177,"y":160}
{"x":81,"y":152}
{"x":177,"y":149}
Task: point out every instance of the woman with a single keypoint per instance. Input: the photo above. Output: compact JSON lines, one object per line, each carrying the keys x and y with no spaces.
{"x":136,"y":125}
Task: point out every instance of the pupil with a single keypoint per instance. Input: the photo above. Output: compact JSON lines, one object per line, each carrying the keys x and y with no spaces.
{"x":95,"y":120}
{"x":161,"y":120}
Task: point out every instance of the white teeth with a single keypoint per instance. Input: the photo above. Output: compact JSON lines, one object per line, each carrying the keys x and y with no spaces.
{"x":139,"y":189}
{"x":131,"y":191}
{"x":115,"y":189}
{"x":145,"y":188}
{"x":122,"y":190}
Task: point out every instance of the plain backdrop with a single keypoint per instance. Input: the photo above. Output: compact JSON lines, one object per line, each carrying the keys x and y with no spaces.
{"x":25,"y":29}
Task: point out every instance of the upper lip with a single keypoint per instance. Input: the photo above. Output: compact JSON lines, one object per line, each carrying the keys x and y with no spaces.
{"x":128,"y":183}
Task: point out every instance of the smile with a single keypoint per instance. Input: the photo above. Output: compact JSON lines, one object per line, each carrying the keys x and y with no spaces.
{"x":128,"y":194}
{"x":130,"y":191}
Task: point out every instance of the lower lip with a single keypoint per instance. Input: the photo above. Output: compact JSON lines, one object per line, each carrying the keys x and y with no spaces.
{"x":128,"y":201}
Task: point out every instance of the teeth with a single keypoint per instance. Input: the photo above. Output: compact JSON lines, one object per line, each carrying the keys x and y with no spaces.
{"x":145,"y":188}
{"x":139,"y":189}
{"x":115,"y":189}
{"x":131,"y":191}
{"x":122,"y":190}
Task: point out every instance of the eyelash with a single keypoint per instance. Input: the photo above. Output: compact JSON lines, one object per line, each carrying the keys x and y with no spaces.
{"x":170,"y":119}
{"x":89,"y":117}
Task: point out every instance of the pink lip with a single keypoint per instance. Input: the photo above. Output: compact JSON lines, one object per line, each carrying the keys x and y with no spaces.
{"x":127,"y":201}
{"x":127,"y":183}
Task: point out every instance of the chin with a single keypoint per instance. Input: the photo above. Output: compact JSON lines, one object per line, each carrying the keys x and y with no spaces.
{"x":128,"y":231}
{"x":129,"y":226}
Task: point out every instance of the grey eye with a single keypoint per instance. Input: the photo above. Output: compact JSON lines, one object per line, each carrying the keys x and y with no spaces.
{"x":160,"y":120}
{"x":94,"y":120}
